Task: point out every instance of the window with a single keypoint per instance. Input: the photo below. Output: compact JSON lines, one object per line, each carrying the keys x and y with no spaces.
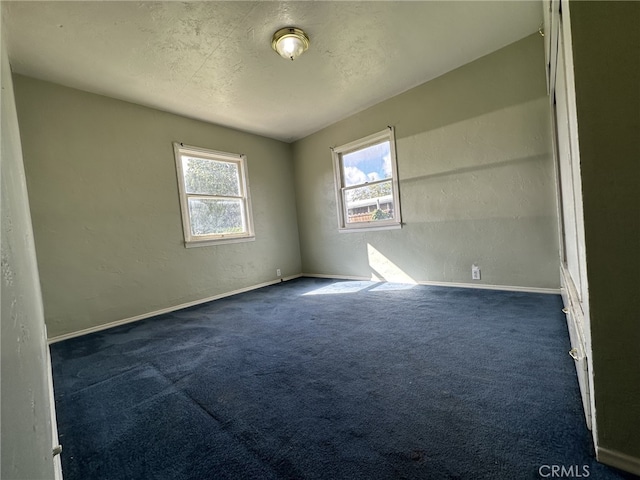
{"x":367,"y":183}
{"x":214,"y":196}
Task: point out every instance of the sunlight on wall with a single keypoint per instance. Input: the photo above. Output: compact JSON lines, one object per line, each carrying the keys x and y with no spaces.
{"x":385,"y":276}
{"x":384,"y":269}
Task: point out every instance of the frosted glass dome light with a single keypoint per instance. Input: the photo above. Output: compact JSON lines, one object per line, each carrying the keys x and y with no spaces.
{"x":290,"y":42}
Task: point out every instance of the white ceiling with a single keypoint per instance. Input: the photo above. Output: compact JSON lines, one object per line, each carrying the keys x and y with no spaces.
{"x":213,"y":60}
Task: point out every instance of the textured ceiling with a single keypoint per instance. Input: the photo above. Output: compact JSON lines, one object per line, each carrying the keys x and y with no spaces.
{"x":213,"y":60}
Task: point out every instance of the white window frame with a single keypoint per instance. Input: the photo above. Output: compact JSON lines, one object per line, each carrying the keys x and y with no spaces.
{"x":190,"y":240}
{"x":388,"y":134}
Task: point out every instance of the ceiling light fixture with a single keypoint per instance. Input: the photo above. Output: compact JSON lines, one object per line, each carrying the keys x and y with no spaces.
{"x":290,"y":42}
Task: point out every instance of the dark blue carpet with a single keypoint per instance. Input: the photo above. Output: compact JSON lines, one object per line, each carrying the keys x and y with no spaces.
{"x":324,"y":379}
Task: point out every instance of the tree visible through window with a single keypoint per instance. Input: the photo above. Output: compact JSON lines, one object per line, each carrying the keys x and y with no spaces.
{"x":214,"y":195}
{"x":366,"y":182}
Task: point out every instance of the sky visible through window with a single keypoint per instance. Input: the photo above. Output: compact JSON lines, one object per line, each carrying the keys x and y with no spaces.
{"x":367,"y":165}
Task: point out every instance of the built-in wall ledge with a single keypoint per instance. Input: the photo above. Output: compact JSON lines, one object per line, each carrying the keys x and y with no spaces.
{"x":619,"y":460}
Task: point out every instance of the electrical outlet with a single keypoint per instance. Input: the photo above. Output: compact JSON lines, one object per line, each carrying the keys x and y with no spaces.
{"x":278,"y":272}
{"x":475,"y":272}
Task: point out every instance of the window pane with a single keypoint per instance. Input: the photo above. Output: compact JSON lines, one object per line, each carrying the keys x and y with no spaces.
{"x":211,"y":216}
{"x":367,"y":165}
{"x":203,"y":176}
{"x":371,"y":203}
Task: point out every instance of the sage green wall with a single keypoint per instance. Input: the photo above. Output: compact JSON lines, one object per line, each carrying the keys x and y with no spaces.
{"x":106,"y":214}
{"x":26,"y":438}
{"x":476,"y":180}
{"x":607,"y":81}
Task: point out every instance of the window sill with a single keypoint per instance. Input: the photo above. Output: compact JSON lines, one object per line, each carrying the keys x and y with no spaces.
{"x":395,"y":226}
{"x":218,"y":241}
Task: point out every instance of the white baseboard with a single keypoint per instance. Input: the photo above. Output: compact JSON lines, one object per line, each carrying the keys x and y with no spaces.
{"x":124,"y":321}
{"x":508,"y":288}
{"x":337,"y":277}
{"x":143,"y":316}
{"x":618,"y":460}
